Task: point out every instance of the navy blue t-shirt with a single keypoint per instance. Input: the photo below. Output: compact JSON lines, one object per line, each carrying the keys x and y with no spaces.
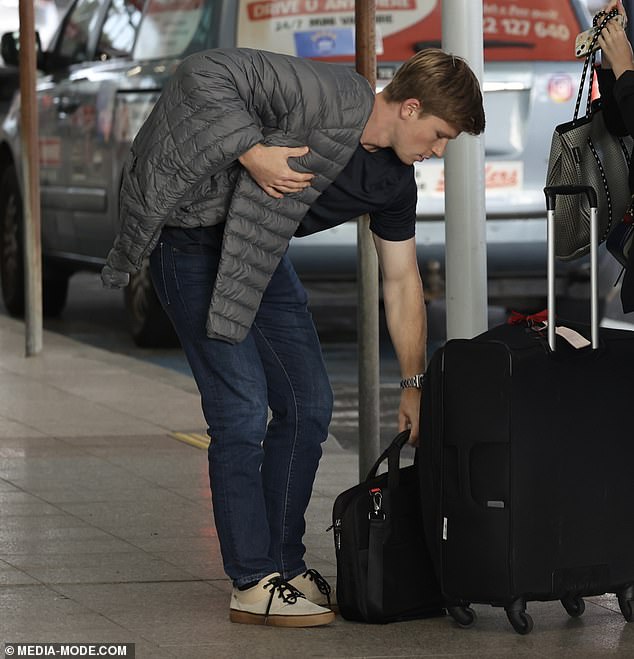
{"x":374,"y":182}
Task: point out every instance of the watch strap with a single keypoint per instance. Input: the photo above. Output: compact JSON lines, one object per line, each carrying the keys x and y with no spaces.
{"x":415,"y":382}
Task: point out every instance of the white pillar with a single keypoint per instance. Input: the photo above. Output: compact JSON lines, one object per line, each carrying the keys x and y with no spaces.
{"x":465,"y":231}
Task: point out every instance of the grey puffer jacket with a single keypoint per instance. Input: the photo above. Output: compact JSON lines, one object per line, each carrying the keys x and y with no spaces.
{"x":183,"y":171}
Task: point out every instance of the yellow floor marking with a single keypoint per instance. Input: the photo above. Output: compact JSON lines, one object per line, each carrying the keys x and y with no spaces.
{"x":194,"y":439}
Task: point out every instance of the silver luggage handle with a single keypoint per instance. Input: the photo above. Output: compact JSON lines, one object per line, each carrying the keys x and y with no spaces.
{"x":551,"y":193}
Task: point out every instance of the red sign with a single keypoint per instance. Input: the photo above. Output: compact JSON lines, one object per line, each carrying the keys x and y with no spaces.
{"x":267,"y":9}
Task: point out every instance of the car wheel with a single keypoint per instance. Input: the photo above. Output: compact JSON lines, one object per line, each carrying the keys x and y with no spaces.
{"x":55,"y":281}
{"x":11,"y":244}
{"x":149,"y":325}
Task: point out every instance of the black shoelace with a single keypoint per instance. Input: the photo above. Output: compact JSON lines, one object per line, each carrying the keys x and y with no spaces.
{"x":322,"y":585}
{"x":287,"y":592}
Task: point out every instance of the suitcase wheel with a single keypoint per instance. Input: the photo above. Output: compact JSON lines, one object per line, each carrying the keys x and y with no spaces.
{"x":516,"y":613}
{"x":626,"y":597}
{"x":521,"y":621}
{"x":465,"y":616}
{"x":574,"y":605}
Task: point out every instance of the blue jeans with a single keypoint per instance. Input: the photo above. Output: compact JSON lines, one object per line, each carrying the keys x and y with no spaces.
{"x":261,"y":473}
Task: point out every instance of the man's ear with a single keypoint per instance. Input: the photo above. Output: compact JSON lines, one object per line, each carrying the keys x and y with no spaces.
{"x":411,"y":107}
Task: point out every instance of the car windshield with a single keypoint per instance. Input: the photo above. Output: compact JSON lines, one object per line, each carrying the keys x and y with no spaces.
{"x":177,"y":28}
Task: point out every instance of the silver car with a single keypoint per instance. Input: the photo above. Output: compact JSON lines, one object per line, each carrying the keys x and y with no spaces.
{"x":109,"y":59}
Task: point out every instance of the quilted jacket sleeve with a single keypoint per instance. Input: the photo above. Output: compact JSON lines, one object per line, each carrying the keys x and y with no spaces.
{"x":204,"y":120}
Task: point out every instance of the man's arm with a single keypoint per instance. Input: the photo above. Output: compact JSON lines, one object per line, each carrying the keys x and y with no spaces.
{"x":406,"y":320}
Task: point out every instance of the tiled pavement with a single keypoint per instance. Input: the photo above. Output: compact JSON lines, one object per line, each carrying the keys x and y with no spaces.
{"x":106,"y":533}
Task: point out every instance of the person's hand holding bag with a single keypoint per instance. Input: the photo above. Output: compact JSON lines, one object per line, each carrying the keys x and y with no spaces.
{"x":615,"y":46}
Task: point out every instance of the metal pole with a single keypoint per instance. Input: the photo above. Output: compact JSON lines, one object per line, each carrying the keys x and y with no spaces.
{"x":550,"y":242}
{"x":465,"y":215}
{"x":31,"y":178}
{"x":367,"y":273}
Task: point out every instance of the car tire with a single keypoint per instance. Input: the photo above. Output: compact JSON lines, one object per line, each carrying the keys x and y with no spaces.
{"x":12,"y":273}
{"x":11,"y":244}
{"x":149,"y":325}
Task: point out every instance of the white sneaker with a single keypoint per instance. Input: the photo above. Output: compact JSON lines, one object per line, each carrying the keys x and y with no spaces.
{"x":314,"y":588}
{"x":274,"y":601}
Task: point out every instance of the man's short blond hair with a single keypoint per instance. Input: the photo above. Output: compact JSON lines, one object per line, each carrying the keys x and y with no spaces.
{"x":444,"y":85}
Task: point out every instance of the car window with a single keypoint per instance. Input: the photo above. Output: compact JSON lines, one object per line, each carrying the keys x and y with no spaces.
{"x":119,"y":29}
{"x":177,"y":28}
{"x":77,"y":30}
{"x":513,"y":29}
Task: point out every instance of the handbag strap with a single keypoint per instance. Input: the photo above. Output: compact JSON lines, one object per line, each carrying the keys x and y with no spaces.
{"x":599,"y":21}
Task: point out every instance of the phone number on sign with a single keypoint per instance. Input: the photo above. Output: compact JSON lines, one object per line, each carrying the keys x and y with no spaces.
{"x":516,"y":27}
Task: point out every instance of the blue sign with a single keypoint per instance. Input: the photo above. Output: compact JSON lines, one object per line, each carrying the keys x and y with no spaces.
{"x":325,"y":42}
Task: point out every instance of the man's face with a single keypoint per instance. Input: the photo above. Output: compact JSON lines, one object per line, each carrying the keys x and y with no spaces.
{"x":418,"y":137}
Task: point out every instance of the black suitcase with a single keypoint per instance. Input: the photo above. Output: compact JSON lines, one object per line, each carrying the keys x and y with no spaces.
{"x":527,"y":465}
{"x":384,"y":572}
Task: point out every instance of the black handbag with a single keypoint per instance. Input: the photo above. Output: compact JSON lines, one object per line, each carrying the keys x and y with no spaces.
{"x":584,"y":152}
{"x":384,"y":570}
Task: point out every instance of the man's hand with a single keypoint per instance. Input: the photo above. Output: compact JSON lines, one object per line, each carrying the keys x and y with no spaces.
{"x":268,"y":166}
{"x":408,"y":414}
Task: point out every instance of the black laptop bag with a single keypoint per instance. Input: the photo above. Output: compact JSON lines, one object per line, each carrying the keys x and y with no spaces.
{"x":384,"y":571}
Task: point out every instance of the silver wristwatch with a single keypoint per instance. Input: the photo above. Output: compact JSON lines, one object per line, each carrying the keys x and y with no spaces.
{"x":415,"y":382}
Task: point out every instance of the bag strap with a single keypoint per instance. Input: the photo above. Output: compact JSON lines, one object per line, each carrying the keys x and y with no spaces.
{"x":392,"y":454}
{"x":378,"y":513}
{"x":599,"y":21}
{"x":375,"y":569}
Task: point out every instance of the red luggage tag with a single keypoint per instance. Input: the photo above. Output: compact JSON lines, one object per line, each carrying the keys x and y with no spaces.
{"x":536,"y":321}
{"x":539,"y":322}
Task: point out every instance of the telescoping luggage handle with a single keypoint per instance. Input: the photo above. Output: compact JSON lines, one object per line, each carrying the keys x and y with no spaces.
{"x":551,"y":193}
